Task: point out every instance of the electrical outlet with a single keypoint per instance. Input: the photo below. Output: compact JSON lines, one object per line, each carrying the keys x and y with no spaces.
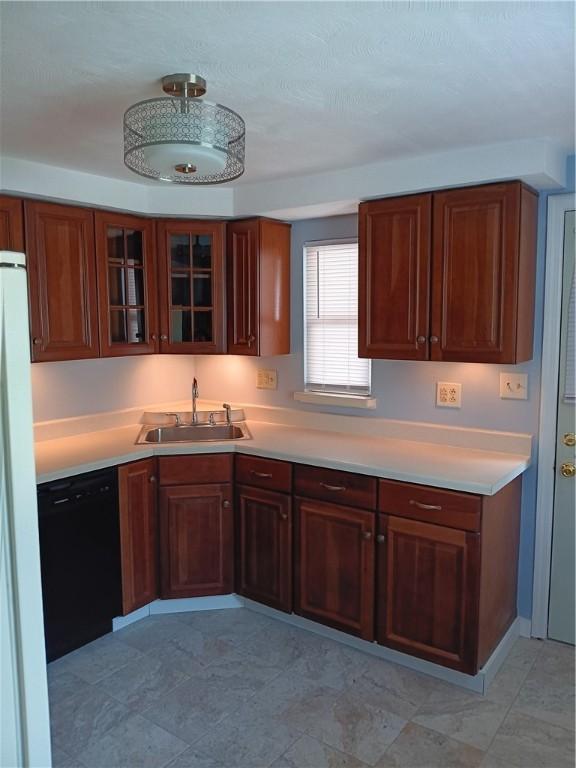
{"x":267,"y":378}
{"x":514,"y":386}
{"x":448,"y":394}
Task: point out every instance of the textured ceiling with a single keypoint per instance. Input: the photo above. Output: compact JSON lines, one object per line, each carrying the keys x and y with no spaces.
{"x":321,"y":85}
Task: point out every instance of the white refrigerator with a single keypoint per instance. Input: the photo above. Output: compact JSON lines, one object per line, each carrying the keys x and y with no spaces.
{"x":24,"y":719}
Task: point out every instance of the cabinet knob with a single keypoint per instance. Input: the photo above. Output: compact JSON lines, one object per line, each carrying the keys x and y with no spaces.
{"x":367,"y":535}
{"x":36,"y":340}
{"x":226,"y":504}
{"x":380,"y":538}
{"x":163,"y":337}
{"x":284,"y":515}
{"x":434,"y":339}
{"x":153,"y":336}
{"x":152,"y":479}
{"x":421,"y":339}
{"x":251,"y":339}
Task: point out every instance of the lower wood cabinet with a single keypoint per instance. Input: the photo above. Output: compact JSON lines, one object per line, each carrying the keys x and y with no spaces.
{"x":428,"y":578}
{"x":264,"y":546}
{"x":196,"y":540}
{"x":11,"y":224}
{"x":137,"y":487}
{"x":335,"y":566}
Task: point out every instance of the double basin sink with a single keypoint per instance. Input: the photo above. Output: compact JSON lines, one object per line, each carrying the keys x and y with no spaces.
{"x":200,"y":432}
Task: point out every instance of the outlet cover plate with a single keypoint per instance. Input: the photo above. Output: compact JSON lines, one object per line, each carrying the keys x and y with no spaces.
{"x":514,"y":386}
{"x":267,"y":378}
{"x":448,"y":394}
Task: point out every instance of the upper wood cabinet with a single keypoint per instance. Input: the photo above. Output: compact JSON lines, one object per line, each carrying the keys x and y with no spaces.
{"x":191,"y":280}
{"x":258,"y":269}
{"x":394,"y":277}
{"x":11,"y":224}
{"x":449,"y":275}
{"x":137,"y":491}
{"x":127,"y":291}
{"x":62,"y":281}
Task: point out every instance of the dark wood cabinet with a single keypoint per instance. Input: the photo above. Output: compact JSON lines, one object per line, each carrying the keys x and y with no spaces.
{"x":11,"y":224}
{"x":137,"y":488}
{"x":264,"y":546}
{"x":449,"y":275}
{"x":196,"y":540}
{"x":334,"y":567}
{"x":394,"y":277}
{"x":429,"y":577}
{"x":127,"y":291}
{"x":258,"y":278}
{"x":191,"y":281}
{"x":62,"y":281}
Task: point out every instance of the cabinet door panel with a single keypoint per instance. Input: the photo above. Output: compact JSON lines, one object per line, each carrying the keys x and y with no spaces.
{"x":126,"y":264}
{"x":475,"y":273}
{"x":62,"y":281}
{"x":191,"y":281}
{"x":138,"y":533}
{"x":11,"y":224}
{"x":264,"y":526}
{"x":196,"y":536}
{"x":242,"y":269}
{"x":335,"y":566}
{"x":393,"y":278}
{"x":428,"y":592}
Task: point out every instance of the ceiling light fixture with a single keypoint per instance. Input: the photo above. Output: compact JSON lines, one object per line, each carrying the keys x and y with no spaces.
{"x":181,"y":138}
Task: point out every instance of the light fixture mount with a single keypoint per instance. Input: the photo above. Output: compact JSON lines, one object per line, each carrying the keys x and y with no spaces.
{"x":183,"y":139}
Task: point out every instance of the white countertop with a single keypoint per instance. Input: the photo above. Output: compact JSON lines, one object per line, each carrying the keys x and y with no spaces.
{"x":463,"y":469}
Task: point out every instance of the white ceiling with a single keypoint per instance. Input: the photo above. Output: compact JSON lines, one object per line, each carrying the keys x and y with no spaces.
{"x":321,"y":85}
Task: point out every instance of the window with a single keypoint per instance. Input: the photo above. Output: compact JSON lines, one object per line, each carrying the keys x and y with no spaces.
{"x":331,"y":320}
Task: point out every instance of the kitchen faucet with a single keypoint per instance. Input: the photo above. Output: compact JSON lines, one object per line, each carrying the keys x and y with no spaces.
{"x":194,"y":399}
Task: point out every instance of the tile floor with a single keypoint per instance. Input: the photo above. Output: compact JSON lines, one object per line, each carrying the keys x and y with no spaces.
{"x":235,"y":689}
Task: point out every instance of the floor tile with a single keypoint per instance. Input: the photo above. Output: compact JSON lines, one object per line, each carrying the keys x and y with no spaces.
{"x":556,"y":659}
{"x":133,"y":743}
{"x":418,"y":747}
{"x":82,"y":719}
{"x":296,"y":700}
{"x":356,"y":728}
{"x":62,"y":684}
{"x":280,"y":645}
{"x":140,"y":684}
{"x":190,"y":650}
{"x":236,"y":624}
{"x":392,"y":687}
{"x":506,"y":684}
{"x":194,"y":759}
{"x":311,"y":753}
{"x":98,"y":659}
{"x":326,"y":661}
{"x":525,"y":742}
{"x":464,"y":716}
{"x":146,"y":633}
{"x":245,"y":740}
{"x":524,"y":653}
{"x":61,"y":759}
{"x":548,"y":697}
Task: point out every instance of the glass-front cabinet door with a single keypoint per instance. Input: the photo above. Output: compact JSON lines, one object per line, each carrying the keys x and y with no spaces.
{"x":191,"y":257}
{"x":126,"y":285}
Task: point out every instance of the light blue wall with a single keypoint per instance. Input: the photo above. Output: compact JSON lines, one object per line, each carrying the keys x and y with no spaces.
{"x":405,"y":390}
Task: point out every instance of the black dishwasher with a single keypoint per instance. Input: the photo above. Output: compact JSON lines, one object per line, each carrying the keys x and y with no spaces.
{"x":80,"y":559}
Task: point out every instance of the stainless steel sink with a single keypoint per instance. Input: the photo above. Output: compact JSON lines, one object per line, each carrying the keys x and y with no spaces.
{"x":193,"y":433}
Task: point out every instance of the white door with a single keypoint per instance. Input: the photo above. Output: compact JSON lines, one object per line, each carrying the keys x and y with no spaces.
{"x":561,"y":620}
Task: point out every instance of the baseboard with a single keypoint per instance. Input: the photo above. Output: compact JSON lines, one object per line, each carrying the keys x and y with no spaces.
{"x":499,"y":654}
{"x":123,"y":621}
{"x":190,"y":604}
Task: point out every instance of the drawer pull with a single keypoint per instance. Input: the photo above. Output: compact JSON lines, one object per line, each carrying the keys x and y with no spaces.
{"x":266,"y":475}
{"x":367,"y":535}
{"x":333,"y":487}
{"x":284,"y":515}
{"x":420,"y":505}
{"x":226,"y":504}
{"x":381,"y":538}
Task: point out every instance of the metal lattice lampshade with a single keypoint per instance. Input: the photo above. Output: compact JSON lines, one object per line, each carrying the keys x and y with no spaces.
{"x":183,"y":139}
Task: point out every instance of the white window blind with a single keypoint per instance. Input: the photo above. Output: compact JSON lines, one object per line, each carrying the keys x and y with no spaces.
{"x":331,"y":320}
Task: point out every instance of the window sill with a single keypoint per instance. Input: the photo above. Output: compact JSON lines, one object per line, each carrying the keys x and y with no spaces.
{"x":331,"y":398}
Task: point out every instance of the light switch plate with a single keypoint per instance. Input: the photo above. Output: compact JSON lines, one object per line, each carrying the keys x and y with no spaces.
{"x":267,"y":378}
{"x":514,"y":386}
{"x":448,"y":394}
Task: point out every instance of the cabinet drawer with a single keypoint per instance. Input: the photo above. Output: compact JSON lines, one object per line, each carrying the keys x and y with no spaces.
{"x":431,"y":505}
{"x":264,"y":473}
{"x":333,"y":485}
{"x":201,"y":468}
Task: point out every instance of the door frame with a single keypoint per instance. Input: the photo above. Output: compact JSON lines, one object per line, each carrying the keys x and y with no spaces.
{"x":558,"y":205}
